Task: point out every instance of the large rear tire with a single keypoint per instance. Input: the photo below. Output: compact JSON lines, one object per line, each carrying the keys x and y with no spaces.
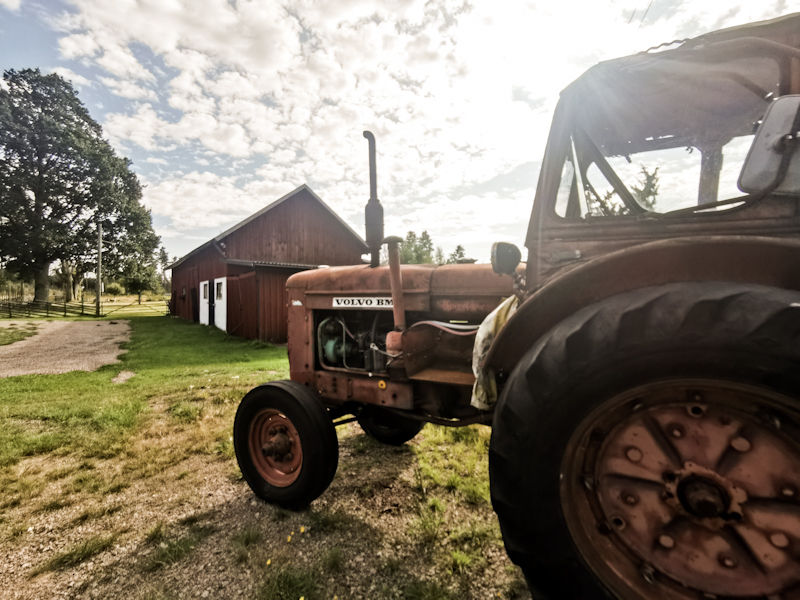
{"x":285,"y":443}
{"x":649,"y":447}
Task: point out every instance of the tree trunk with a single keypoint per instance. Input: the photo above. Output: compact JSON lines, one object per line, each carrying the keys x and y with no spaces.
{"x":140,"y":297}
{"x":76,"y":286}
{"x":69,"y":288}
{"x":42,"y":284}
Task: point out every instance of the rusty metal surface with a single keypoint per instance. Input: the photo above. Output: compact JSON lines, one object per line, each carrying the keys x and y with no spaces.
{"x":396,"y":279}
{"x":765,"y":261}
{"x":274,"y":446}
{"x":448,"y":376}
{"x":426,"y":347}
{"x":322,"y":285}
{"x":343,"y":387}
{"x":688,"y":491}
{"x":468,"y":292}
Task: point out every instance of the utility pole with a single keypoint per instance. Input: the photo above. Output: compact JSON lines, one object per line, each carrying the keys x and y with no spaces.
{"x":98,"y":284}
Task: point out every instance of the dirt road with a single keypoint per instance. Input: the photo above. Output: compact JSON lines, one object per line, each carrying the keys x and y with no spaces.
{"x":63,"y":346}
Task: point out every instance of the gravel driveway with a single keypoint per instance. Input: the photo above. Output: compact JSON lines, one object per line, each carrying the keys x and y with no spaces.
{"x":63,"y":346}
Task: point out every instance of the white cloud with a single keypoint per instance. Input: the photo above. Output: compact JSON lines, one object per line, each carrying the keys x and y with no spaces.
{"x":11,"y":4}
{"x":128,"y":89}
{"x":77,"y":80}
{"x":455,"y":93}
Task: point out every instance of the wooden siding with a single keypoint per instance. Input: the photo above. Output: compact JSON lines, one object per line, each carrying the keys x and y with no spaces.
{"x":243,"y":306}
{"x":203,"y":266}
{"x":298,"y":231}
{"x":273,"y":303}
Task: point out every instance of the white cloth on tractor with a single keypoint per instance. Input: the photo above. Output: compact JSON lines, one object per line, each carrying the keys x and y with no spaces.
{"x":484,"y":392}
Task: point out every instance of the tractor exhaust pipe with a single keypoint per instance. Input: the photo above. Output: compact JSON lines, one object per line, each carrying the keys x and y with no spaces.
{"x":373,"y":213}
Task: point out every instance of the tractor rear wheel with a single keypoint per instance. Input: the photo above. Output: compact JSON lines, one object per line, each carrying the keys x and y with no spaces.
{"x":285,"y":443}
{"x":649,"y":446}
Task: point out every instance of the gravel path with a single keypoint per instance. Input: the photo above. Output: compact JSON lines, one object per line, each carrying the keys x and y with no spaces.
{"x":63,"y":346}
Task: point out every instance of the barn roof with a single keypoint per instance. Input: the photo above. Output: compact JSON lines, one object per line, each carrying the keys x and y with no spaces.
{"x":214,"y":241}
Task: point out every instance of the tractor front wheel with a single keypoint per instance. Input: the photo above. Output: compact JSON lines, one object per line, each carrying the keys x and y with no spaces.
{"x":285,"y":443}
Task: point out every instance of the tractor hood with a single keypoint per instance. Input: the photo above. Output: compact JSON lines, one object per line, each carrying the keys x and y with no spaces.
{"x":465,"y":291}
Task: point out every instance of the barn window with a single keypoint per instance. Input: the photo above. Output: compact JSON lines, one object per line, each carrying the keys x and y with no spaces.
{"x":205,"y":291}
{"x":219,"y":290}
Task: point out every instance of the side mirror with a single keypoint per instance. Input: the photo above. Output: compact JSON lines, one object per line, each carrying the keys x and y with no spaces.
{"x":772,"y":165}
{"x":505,"y":258}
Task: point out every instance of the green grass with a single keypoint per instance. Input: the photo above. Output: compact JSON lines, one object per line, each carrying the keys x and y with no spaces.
{"x":85,"y":414}
{"x":425,"y":590}
{"x":171,"y":551}
{"x":243,"y":542}
{"x":332,"y":560}
{"x":75,"y":555}
{"x":289,"y":583}
{"x":455,"y":459}
{"x":328,"y":521}
{"x":15,"y":333}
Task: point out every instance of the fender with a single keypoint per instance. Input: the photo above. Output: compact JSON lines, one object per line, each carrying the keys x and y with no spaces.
{"x":739,"y":259}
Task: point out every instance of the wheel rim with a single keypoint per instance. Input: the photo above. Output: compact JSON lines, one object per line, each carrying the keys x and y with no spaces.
{"x":689,"y":486}
{"x":275,"y":448}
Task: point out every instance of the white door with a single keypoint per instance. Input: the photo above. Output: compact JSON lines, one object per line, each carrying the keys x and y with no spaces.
{"x":220,"y":303}
{"x":205,"y":292}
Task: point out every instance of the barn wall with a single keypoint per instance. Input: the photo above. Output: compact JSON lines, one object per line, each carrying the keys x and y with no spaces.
{"x":298,"y":231}
{"x":272,"y":304}
{"x":203,"y":266}
{"x":243,"y":305}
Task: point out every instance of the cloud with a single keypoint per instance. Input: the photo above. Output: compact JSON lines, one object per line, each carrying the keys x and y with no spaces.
{"x":128,"y":89}
{"x":252,"y":99}
{"x":77,"y":80}
{"x":11,"y":4}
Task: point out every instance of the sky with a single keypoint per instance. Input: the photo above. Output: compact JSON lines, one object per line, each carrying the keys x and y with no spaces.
{"x":226,"y":105}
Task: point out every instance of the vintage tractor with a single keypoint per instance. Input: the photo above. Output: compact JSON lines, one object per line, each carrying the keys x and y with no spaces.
{"x":646,"y":439}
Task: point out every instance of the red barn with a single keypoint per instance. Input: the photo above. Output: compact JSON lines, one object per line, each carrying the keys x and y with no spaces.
{"x":237,"y":281}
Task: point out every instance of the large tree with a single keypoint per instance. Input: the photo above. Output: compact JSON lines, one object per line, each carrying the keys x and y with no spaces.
{"x":59,"y":180}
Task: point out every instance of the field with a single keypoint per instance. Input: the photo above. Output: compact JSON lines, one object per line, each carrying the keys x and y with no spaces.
{"x":131,"y":490}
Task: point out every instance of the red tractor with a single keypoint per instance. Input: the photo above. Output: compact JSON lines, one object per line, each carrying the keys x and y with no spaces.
{"x":641,"y":371}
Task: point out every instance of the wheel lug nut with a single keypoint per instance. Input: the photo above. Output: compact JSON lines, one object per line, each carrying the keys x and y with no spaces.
{"x":666,"y":542}
{"x":288,"y":457}
{"x":727,"y":561}
{"x":779,"y":540}
{"x":634,"y":454}
{"x":676,"y":430}
{"x":630,"y":499}
{"x":740,"y":444}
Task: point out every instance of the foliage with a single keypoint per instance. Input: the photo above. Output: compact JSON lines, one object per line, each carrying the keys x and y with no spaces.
{"x":139,"y":275}
{"x":416,"y":250}
{"x":59,"y":179}
{"x":458,"y":254}
{"x":645,"y":192}
{"x":114,"y":289}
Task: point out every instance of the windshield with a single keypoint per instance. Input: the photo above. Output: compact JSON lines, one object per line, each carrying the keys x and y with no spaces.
{"x":655,"y":135}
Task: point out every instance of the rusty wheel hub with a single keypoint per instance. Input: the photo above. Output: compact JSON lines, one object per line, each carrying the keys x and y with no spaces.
{"x":691,"y":487}
{"x":275,"y":448}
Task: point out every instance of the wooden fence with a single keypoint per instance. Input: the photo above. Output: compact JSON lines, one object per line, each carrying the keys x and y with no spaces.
{"x":11,"y":308}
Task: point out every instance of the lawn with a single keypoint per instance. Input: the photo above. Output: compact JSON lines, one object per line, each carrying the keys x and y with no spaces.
{"x":131,"y":490}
